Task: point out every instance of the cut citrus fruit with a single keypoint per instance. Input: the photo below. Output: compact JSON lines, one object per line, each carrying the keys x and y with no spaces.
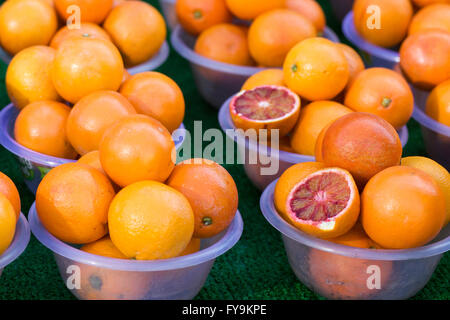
{"x":266,"y":107}
{"x":325,"y":204}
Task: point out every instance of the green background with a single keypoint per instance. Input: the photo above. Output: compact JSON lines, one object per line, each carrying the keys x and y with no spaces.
{"x":256,"y":268}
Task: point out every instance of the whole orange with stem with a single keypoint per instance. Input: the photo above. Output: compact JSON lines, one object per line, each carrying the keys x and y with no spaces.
{"x":211,"y":191}
{"x":149,"y":220}
{"x":423,"y":3}
{"x":197,"y":16}
{"x":103,"y":247}
{"x":250,"y":9}
{"x":438,"y":103}
{"x":72,"y":203}
{"x":382,"y":92}
{"x":355,"y":63}
{"x":436,"y":16}
{"x":316,"y":69}
{"x":311,"y":10}
{"x":224,"y":43}
{"x":86,"y":30}
{"x":347,"y":140}
{"x":385,"y":26}
{"x":94,"y":11}
{"x":156,"y":95}
{"x":313,"y":118}
{"x":9,"y":190}
{"x":8,"y":221}
{"x":423,"y":67}
{"x":41,"y":127}
{"x":141,"y":20}
{"x":25,"y":23}
{"x":274,"y":33}
{"x":92,"y":159}
{"x":128,"y":154}
{"x":28,"y":76}
{"x":92,"y":115}
{"x":273,"y":77}
{"x":402,"y":207}
{"x":75,"y":76}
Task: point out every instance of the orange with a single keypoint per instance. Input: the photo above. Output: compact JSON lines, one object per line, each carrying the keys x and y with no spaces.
{"x":356,"y":237}
{"x":272,"y":77}
{"x":75,"y":76}
{"x":361,"y":143}
{"x":149,"y":220}
{"x":393,"y":17}
{"x":41,"y":127}
{"x":92,"y":115}
{"x":355,"y":63}
{"x":28,"y":76}
{"x":192,"y":247}
{"x":288,"y":180}
{"x":274,"y":33}
{"x":423,"y":3}
{"x":250,"y":9}
{"x":402,"y":207}
{"x":311,"y":10}
{"x":197,"y":16}
{"x":156,"y":95}
{"x":438,"y":103}
{"x":144,"y":23}
{"x":103,"y":247}
{"x":94,"y":11}
{"x":9,"y":190}
{"x":224,"y":43}
{"x":437,"y":172}
{"x":313,"y":118}
{"x":72,"y":203}
{"x":7,"y":223}
{"x":211,"y":191}
{"x":382,"y":92}
{"x":423,"y":67}
{"x":92,"y":159}
{"x":316,"y":69}
{"x":25,"y":23}
{"x":137,"y":148}
{"x":319,"y":142}
{"x":436,"y":16}
{"x":86,"y":30}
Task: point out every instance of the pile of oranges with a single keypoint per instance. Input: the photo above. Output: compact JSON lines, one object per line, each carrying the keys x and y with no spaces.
{"x":9,"y":211}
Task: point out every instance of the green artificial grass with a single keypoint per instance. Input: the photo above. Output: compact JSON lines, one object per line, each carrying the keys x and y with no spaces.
{"x":256,"y":268}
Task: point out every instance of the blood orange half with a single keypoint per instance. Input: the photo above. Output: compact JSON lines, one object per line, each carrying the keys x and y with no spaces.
{"x":325,"y":204}
{"x":266,"y":107}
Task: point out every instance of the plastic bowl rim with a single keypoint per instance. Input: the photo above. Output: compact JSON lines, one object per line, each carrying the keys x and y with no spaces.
{"x":429,"y":122}
{"x":19,"y":243}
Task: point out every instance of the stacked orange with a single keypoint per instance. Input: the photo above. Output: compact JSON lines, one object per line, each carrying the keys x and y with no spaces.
{"x":9,"y":211}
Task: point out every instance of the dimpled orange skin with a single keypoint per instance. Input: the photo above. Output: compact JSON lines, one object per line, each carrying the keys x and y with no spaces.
{"x":9,"y":190}
{"x":156,"y":95}
{"x":224,"y":43}
{"x":92,"y":115}
{"x":92,"y":159}
{"x":103,"y":247}
{"x":211,"y":191}
{"x":94,"y":11}
{"x":86,"y":30}
{"x":436,"y":16}
{"x":438,"y":103}
{"x":402,"y":207}
{"x":316,"y":69}
{"x":128,"y":154}
{"x":311,"y":10}
{"x":197,"y":16}
{"x":362,"y":143}
{"x":274,"y":33}
{"x":41,"y":127}
{"x":25,"y":23}
{"x":86,"y":65}
{"x":7,"y":223}
{"x":28,"y":76}
{"x":149,"y":220}
{"x":273,"y":77}
{"x":144,"y":23}
{"x":250,"y":9}
{"x":355,"y":63}
{"x":423,"y":67}
{"x":382,"y":92}
{"x":72,"y":203}
{"x":394,"y":17}
{"x":288,"y":180}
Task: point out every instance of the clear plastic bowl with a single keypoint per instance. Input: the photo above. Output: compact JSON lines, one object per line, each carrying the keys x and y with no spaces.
{"x":168,"y":9}
{"x":266,"y":155}
{"x":36,"y":165}
{"x":373,"y":55}
{"x":216,"y":81}
{"x":18,"y":245}
{"x":341,"y":8}
{"x":340,"y":272}
{"x":109,"y":278}
{"x":151,"y":64}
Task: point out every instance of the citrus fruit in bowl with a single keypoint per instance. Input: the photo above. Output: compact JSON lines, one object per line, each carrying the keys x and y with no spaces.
{"x":8,"y":220}
{"x":94,"y":11}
